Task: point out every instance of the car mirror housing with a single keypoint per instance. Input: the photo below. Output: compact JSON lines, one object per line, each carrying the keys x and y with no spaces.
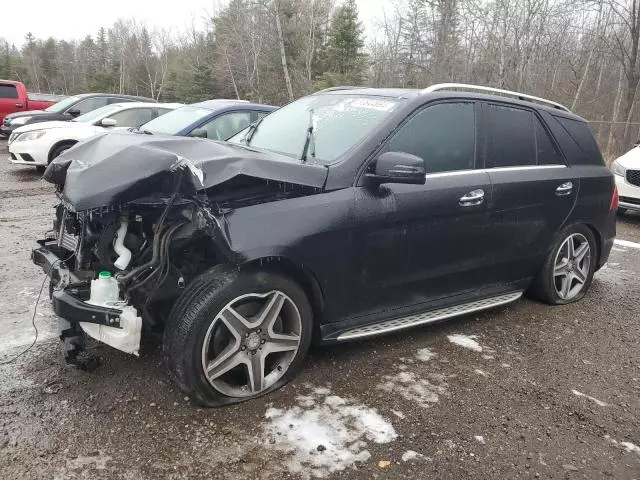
{"x":74,"y":112}
{"x":399,"y":167}
{"x":199,"y":133}
{"x":108,"y":122}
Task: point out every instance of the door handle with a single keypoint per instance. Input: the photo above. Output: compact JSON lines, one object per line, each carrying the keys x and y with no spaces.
{"x":564,"y":189}
{"x":19,"y":105}
{"x":475,"y":197}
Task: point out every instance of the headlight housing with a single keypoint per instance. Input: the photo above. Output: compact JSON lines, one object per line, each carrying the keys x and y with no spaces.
{"x":618,"y":169}
{"x":26,"y":136}
{"x":20,"y":120}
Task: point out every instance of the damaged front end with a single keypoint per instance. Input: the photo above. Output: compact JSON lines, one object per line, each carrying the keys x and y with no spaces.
{"x":150,"y":227}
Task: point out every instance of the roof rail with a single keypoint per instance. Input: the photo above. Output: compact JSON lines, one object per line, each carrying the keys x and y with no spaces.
{"x":494,"y":91}
{"x":335,"y":89}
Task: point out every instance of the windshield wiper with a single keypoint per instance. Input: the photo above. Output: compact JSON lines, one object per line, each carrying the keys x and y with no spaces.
{"x":252,"y":130}
{"x":309,"y":141}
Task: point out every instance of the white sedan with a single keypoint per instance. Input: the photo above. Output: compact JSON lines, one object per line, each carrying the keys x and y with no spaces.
{"x":39,"y":143}
{"x":626,"y":170}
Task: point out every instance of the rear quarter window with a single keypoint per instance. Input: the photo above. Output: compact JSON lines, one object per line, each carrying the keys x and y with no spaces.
{"x":576,"y":140}
{"x":8,"y":91}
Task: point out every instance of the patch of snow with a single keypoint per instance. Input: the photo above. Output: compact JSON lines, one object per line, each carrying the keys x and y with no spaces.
{"x":466,"y":341}
{"x":480,"y":439}
{"x":626,"y":243}
{"x":329,"y":436}
{"x":424,"y":355}
{"x":305,"y":401}
{"x":411,"y":455}
{"x":630,"y":447}
{"x":487,"y":357}
{"x":399,"y":414}
{"x":505,"y":365}
{"x":481,"y":372}
{"x":600,"y":403}
{"x":413,"y":388}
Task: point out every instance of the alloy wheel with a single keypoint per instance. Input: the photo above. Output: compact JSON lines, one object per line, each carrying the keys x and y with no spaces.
{"x":251,"y":343}
{"x":571,"y":266}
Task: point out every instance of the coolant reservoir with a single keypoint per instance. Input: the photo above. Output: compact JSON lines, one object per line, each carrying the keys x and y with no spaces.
{"x":104,"y":289}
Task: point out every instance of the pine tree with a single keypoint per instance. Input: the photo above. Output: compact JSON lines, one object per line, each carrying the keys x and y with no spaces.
{"x":343,"y":56}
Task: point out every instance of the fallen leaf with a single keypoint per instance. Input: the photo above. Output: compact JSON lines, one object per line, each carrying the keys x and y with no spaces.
{"x":384,"y":463}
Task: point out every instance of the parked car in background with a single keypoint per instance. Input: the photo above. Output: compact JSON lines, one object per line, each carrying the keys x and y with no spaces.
{"x":67,"y":109}
{"x":626,"y":170}
{"x":39,"y":143}
{"x":348,"y":213}
{"x":213,"y":119}
{"x":15,"y":98}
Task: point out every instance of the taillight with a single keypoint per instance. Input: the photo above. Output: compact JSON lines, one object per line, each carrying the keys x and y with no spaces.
{"x":615,"y":201}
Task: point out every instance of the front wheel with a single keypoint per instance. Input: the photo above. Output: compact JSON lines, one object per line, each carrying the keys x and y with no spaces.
{"x":568,"y":270}
{"x":234,"y":336}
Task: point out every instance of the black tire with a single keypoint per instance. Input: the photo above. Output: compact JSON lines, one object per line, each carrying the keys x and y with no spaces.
{"x":621,"y":211}
{"x":195,"y":311}
{"x":543,"y":287}
{"x":58,"y":150}
{"x":40,"y":168}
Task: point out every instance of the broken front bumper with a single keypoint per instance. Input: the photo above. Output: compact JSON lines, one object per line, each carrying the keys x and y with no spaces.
{"x":118,"y":327}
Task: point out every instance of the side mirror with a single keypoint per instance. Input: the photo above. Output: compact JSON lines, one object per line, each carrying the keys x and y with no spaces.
{"x":399,"y":167}
{"x":74,"y":112}
{"x":109,"y":122}
{"x":199,"y":133}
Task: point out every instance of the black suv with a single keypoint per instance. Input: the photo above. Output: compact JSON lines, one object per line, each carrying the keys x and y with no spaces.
{"x":67,"y":109}
{"x":348,"y":213}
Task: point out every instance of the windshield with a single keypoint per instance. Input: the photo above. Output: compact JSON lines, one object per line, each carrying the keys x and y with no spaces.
{"x":62,"y":105}
{"x":97,"y":113}
{"x":339,"y":122}
{"x":175,"y":121}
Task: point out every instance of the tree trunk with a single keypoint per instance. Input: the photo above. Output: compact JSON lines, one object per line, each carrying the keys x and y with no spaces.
{"x":283,"y":53}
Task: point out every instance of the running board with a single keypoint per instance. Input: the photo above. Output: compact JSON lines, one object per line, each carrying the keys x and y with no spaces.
{"x":429,"y":317}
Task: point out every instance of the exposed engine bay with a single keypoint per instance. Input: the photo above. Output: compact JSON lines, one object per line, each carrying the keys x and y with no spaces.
{"x":156,"y":234}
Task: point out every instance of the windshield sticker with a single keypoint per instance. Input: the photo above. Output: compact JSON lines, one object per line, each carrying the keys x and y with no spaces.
{"x":373,"y":104}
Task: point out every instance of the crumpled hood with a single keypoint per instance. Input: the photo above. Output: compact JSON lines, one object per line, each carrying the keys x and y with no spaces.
{"x":109,"y":167}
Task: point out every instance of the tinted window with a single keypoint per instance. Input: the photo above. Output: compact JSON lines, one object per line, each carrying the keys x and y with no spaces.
{"x":176,"y":120}
{"x":8,"y":91}
{"x":511,"y":137}
{"x":581,"y":134}
{"x":133,"y":117}
{"x":443,"y":135}
{"x":227,"y":125}
{"x":547,"y":152}
{"x":90,"y":104}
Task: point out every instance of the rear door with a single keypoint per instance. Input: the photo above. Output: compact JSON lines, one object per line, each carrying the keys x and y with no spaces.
{"x":10,"y":101}
{"x":421,"y":243}
{"x":533,"y":190}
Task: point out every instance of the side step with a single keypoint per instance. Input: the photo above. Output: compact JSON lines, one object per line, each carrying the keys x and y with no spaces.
{"x":429,"y":317}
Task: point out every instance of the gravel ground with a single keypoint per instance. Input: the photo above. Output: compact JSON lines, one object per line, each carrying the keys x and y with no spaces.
{"x":526,"y":391}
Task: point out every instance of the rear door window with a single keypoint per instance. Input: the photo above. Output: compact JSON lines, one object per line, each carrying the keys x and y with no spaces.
{"x":443,"y":135}
{"x":8,"y":91}
{"x":511,"y":138}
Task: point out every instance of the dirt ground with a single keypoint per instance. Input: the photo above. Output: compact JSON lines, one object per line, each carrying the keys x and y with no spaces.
{"x":526,"y":391}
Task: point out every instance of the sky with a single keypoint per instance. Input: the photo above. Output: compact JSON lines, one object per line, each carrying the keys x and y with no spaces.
{"x":74,"y":19}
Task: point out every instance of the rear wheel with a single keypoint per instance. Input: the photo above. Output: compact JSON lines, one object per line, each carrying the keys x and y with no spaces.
{"x":234,"y":337}
{"x":568,"y":271}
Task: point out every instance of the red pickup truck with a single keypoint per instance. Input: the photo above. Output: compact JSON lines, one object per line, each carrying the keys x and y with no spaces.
{"x":14,"y":98}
